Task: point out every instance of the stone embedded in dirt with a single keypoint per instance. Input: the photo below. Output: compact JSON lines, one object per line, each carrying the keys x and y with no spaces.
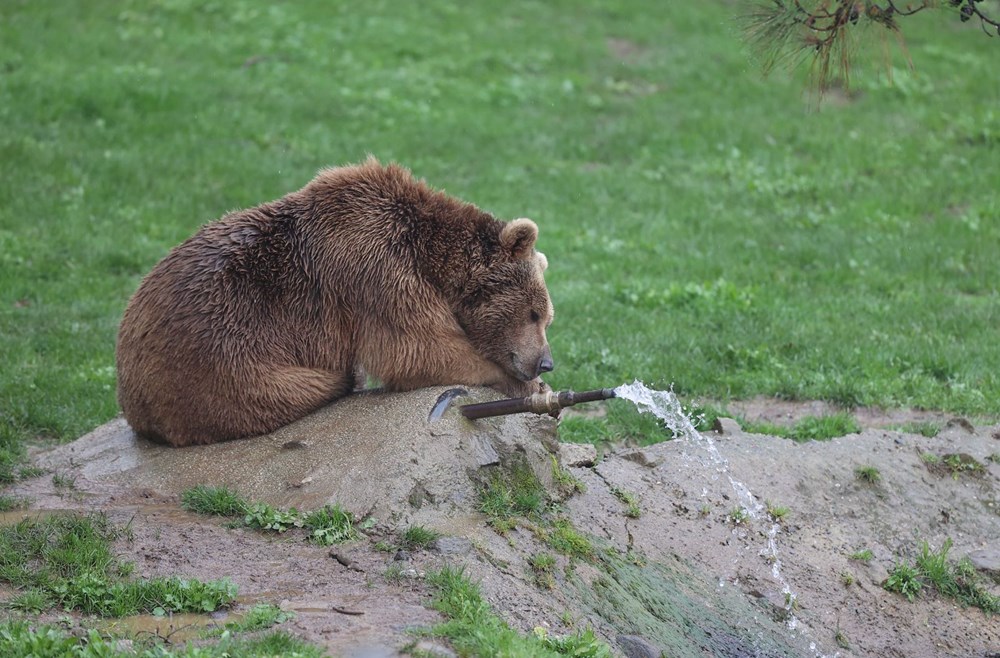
{"x":432,"y":650}
{"x":643,"y":458}
{"x":726,"y":427}
{"x":634,"y":646}
{"x":960,"y":423}
{"x":987,"y":560}
{"x":451,"y":546}
{"x":577,"y":454}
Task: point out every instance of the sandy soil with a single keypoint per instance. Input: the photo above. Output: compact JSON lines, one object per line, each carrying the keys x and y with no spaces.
{"x":731,"y":583}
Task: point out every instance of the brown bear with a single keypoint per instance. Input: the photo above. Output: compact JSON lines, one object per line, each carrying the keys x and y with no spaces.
{"x":267,"y":314}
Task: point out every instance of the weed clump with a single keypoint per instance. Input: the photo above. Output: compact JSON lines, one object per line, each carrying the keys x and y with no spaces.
{"x":509,"y":493}
{"x":633,"y":510}
{"x":214,"y":501}
{"x":474,"y":629}
{"x":418,"y":536}
{"x":957,"y":580}
{"x":809,"y":428}
{"x":328,"y":525}
{"x":868,"y":474}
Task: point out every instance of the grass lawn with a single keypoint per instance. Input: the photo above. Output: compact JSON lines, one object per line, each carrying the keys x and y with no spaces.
{"x":705,"y":227}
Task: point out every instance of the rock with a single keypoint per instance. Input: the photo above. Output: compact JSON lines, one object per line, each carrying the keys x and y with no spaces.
{"x":432,"y":650}
{"x":643,"y":458}
{"x":961,"y":423}
{"x":726,"y":426}
{"x":402,"y":555}
{"x":987,"y":560}
{"x":634,"y":646}
{"x":577,"y":454}
{"x":451,"y":546}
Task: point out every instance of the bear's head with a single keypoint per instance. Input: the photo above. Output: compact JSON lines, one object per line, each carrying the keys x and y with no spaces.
{"x":506,"y":307}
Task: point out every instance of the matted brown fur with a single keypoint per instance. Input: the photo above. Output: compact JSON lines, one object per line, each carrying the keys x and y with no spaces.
{"x":268,"y":313}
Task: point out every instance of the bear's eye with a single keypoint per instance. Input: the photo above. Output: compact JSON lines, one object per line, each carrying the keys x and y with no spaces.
{"x":535,"y":317}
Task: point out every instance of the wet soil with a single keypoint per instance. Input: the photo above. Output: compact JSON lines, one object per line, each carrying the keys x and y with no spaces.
{"x":682,"y":577}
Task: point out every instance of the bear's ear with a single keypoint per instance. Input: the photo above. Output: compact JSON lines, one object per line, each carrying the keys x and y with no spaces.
{"x":518,"y":237}
{"x":543,"y":262}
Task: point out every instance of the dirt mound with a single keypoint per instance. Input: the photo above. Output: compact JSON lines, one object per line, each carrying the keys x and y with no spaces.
{"x":676,"y":567}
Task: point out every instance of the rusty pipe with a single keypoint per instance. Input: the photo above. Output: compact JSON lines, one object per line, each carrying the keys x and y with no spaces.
{"x":539,"y":403}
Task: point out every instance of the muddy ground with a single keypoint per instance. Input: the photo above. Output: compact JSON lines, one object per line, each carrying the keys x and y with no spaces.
{"x":682,"y":578}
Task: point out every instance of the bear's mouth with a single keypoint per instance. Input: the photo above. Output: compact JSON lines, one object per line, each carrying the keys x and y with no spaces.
{"x":518,"y":371}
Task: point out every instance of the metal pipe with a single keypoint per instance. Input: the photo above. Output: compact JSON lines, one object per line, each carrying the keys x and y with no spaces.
{"x":539,"y":403}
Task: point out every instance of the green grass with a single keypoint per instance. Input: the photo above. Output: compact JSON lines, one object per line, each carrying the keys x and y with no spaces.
{"x":933,"y":569}
{"x":631,"y":500}
{"x":928,"y":429}
{"x":868,"y":474}
{"x":777,"y":512}
{"x":327,"y":525}
{"x":417,"y":536}
{"x":19,"y":639}
{"x":475,"y":630}
{"x":863,"y":555}
{"x":9,"y":503}
{"x":214,"y":501}
{"x":704,"y":226}
{"x":67,"y":560}
{"x":809,"y":428}
{"x":509,"y":492}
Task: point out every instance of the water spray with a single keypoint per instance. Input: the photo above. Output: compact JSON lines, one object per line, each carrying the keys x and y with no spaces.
{"x":539,"y":403}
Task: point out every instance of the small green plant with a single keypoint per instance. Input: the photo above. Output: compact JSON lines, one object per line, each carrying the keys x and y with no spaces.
{"x":929,"y":458}
{"x":705,"y":509}
{"x":904,"y":579}
{"x":32,"y":601}
{"x":217,"y":501}
{"x":258,"y":618}
{"x":330,"y":524}
{"x":394,"y":573}
{"x":10,"y":503}
{"x":565,"y":480}
{"x":475,"y":630}
{"x":864,"y":555}
{"x":777,"y":512}
{"x":960,"y":464}
{"x":927,"y":429}
{"x":418,"y":536}
{"x":509,"y":493}
{"x":583,"y":644}
{"x":266,"y":517}
{"x":738,"y":515}
{"x":957,"y":580}
{"x":543,"y":565}
{"x":841,"y":639}
{"x":868,"y":474}
{"x":809,"y":428}
{"x":847,"y":578}
{"x":631,"y":501}
{"x":60,"y":481}
{"x":994,"y":457}
{"x":566,"y":539}
{"x":385,"y":546}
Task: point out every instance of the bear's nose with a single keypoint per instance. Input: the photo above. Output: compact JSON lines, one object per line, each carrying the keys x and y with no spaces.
{"x":545,"y":364}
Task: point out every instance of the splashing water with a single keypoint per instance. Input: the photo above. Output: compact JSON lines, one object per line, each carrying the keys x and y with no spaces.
{"x":665,"y":406}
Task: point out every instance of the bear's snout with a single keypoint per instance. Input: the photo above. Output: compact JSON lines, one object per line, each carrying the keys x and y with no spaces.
{"x":545,"y":363}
